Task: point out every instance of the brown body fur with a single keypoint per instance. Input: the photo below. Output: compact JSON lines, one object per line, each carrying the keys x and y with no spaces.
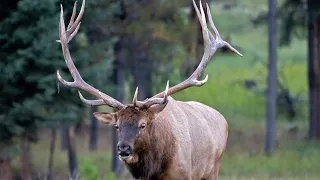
{"x":187,"y":140}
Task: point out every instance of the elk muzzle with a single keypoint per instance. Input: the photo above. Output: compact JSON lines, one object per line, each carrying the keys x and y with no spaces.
{"x":124,"y":150}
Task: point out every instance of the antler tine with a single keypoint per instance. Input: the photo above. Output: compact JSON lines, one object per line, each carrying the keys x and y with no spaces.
{"x":218,"y":37}
{"x":91,"y":102}
{"x":79,"y":83}
{"x":211,"y":44}
{"x":73,"y":25}
{"x":135,"y":97}
{"x":74,"y":11}
{"x":149,"y":102}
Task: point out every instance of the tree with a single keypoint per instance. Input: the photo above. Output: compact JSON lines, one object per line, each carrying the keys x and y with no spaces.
{"x":272,"y":79}
{"x":119,"y":79}
{"x":51,"y":153}
{"x":299,"y":12}
{"x":293,"y":15}
{"x":314,"y":68}
{"x":72,"y":155}
{"x":94,"y":127}
{"x":312,"y":72}
{"x":30,"y":97}
{"x":5,"y":168}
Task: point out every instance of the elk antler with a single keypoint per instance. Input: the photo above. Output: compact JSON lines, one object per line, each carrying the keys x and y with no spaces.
{"x":211,"y":44}
{"x":65,"y":37}
{"x":149,"y":102}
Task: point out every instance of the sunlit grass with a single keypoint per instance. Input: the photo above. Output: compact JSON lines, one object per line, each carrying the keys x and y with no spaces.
{"x":284,"y":163}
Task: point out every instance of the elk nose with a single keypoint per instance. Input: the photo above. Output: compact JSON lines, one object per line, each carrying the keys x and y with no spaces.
{"x":124,"y":149}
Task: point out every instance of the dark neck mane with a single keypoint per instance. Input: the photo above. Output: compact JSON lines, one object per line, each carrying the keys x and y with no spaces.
{"x":157,"y":157}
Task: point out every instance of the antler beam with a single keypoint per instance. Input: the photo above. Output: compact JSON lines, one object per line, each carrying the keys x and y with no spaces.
{"x":65,"y":37}
{"x":211,"y":44}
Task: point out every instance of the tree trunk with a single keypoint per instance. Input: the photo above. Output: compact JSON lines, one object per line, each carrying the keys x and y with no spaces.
{"x":94,"y":128}
{"x":119,"y":80}
{"x":317,"y":65}
{"x":141,"y":68}
{"x":72,"y":157}
{"x":142,"y":75}
{"x":312,"y":72}
{"x":64,"y":133}
{"x":51,"y":154}
{"x":5,"y":168}
{"x":314,"y":69}
{"x":272,"y":80}
{"x":26,"y":166}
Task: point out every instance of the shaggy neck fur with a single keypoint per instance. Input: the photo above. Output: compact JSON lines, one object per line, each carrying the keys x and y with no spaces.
{"x":158,"y":154}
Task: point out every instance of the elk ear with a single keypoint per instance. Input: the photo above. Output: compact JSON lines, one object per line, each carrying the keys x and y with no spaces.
{"x":106,"y":118}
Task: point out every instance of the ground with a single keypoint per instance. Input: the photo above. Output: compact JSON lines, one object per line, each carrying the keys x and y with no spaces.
{"x":293,"y":159}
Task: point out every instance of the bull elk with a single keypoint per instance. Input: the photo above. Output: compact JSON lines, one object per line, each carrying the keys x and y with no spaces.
{"x":161,"y":138}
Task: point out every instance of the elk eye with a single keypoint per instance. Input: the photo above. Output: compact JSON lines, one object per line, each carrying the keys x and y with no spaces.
{"x":116,"y":126}
{"x":143,"y":125}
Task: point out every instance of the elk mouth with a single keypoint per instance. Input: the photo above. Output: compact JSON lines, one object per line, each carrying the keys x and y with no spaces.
{"x":124,"y":157}
{"x":129,"y":159}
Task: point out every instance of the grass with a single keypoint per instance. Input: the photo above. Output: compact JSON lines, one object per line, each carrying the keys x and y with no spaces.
{"x":244,"y":158}
{"x":284,"y":163}
{"x":294,"y":157}
{"x":90,"y":163}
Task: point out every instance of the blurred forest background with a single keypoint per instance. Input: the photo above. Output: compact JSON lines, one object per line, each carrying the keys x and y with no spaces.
{"x":46,"y":132}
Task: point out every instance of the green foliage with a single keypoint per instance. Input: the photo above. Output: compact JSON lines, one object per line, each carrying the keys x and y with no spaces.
{"x":292,"y":16}
{"x":110,"y":176}
{"x":31,"y":96}
{"x":88,"y":171}
{"x":28,"y":63}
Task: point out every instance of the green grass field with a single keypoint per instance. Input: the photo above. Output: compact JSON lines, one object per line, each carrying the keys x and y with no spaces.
{"x":294,"y":158}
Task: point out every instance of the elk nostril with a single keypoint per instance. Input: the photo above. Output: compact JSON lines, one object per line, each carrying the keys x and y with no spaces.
{"x":124,"y":149}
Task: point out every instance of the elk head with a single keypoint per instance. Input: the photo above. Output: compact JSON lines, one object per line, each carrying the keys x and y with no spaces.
{"x":134,"y":121}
